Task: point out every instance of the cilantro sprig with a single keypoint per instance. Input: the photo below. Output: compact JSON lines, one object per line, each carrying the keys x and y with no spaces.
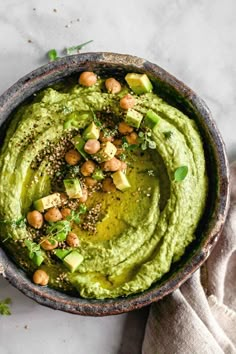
{"x":75,"y":49}
{"x":4,"y":307}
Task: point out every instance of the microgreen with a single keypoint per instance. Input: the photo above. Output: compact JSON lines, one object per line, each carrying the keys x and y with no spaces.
{"x":122,"y":157}
{"x":57,"y":231}
{"x":109,"y":132}
{"x":180,"y":173}
{"x":75,"y":215}
{"x":52,"y":55}
{"x":75,"y":49}
{"x":151,"y":173}
{"x":4,"y":307}
{"x":145,"y":139}
{"x":128,"y":148}
{"x":34,"y":249}
{"x":15,"y":223}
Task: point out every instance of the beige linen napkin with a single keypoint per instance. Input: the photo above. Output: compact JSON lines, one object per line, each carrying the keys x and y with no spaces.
{"x":194,"y":320}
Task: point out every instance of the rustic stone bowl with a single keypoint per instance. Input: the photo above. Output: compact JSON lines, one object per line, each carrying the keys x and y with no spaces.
{"x":208,"y":232}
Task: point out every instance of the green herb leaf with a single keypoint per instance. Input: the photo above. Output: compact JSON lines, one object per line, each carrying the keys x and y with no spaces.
{"x":144,"y":145}
{"x":141,"y":134}
{"x":122,"y":157}
{"x":125,"y":146}
{"x":34,"y":249}
{"x":145,"y":140}
{"x":75,"y":216}
{"x":52,"y":54}
{"x":20,"y":222}
{"x":151,"y":173}
{"x":180,"y":173}
{"x":58,"y":230}
{"x":82,"y":209}
{"x":15,"y":223}
{"x":168,"y":134}
{"x":152,"y":144}
{"x":132,"y":147}
{"x":75,"y":49}
{"x":4,"y":307}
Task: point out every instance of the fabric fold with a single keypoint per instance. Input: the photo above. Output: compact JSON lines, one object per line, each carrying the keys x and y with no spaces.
{"x":200,"y":317}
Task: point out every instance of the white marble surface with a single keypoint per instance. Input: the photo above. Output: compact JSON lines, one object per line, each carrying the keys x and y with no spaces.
{"x":193,"y":39}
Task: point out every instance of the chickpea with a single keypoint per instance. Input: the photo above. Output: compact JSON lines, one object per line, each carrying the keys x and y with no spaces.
{"x":112,"y":85}
{"x":53,"y":215}
{"x":123,"y":166}
{"x":88,"y":168}
{"x":117,"y":142}
{"x":92,"y":146}
{"x":132,"y":138}
{"x":35,"y":219}
{"x":48,"y":246}
{"x":65,"y":212}
{"x":84,"y":196}
{"x":64,"y":199}
{"x":40,"y":277}
{"x":104,"y":139}
{"x":111,"y":165}
{"x":119,"y":151}
{"x":108,"y":185}
{"x":88,"y":78}
{"x":124,"y":128}
{"x":72,"y":240}
{"x":72,"y":157}
{"x":127,"y":102}
{"x":90,"y":182}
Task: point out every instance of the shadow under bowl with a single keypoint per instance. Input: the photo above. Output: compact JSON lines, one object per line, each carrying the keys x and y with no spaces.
{"x":178,"y":95}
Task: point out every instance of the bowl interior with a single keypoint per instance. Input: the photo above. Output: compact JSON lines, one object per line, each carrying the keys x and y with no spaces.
{"x":179,"y":96}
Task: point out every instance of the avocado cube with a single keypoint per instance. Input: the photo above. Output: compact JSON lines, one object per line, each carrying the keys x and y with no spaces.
{"x":121,"y":181}
{"x":98,"y":175}
{"x":61,"y":253}
{"x":73,"y":260}
{"x":79,"y":145}
{"x":71,"y":121}
{"x":139,"y":83}
{"x":38,"y":259}
{"x":76,"y":119}
{"x":73,"y":188}
{"x":151,"y":119}
{"x":91,"y":132}
{"x":133,"y":118}
{"x":106,"y":152}
{"x":47,"y":202}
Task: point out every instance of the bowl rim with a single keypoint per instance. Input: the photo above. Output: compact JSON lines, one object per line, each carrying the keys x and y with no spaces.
{"x":16,"y":94}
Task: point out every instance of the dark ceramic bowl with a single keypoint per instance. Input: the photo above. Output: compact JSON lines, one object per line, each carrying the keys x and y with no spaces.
{"x":180,"y":96}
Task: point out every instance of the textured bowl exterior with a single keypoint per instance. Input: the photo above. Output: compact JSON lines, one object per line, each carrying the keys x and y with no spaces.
{"x":182,"y":97}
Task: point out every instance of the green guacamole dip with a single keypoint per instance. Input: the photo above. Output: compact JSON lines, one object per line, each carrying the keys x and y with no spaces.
{"x":138,"y":233}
